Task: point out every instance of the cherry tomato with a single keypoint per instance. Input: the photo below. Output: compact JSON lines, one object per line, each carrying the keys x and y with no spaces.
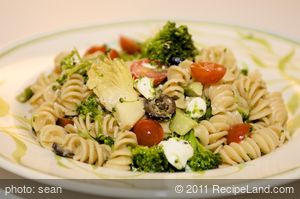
{"x":113,"y":54}
{"x":207,"y":72}
{"x":148,"y":132}
{"x":64,"y":121}
{"x":93,"y":49}
{"x":237,"y":132}
{"x":128,"y":45}
{"x":138,"y":70}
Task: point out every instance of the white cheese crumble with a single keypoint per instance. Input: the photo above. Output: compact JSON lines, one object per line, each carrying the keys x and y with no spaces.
{"x":177,"y":152}
{"x":196,"y":107}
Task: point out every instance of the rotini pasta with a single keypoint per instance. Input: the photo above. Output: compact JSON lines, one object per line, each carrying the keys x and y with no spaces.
{"x":222,"y":98}
{"x":110,"y":126}
{"x":260,"y":142}
{"x":120,"y":157}
{"x":72,"y":93}
{"x":178,"y":76}
{"x":86,"y":150}
{"x":40,"y":87}
{"x":51,"y":134}
{"x":84,"y":125}
{"x":253,"y":89}
{"x":278,"y":110}
{"x":212,"y":133}
{"x":47,"y":113}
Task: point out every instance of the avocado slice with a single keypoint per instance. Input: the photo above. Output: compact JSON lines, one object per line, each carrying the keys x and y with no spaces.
{"x":194,"y":89}
{"x":181,"y":123}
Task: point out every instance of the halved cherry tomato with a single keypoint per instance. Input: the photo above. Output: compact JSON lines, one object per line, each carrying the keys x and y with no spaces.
{"x":64,"y":121}
{"x":148,"y":132}
{"x":113,"y":54}
{"x":129,"y":45}
{"x":207,"y":72}
{"x":237,"y":132}
{"x":138,"y":70}
{"x":93,"y":49}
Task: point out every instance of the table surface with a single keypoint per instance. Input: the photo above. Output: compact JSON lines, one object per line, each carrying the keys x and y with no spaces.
{"x":21,"y":19}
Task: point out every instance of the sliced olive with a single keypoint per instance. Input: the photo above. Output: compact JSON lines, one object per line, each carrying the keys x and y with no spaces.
{"x":161,"y":108}
{"x":62,"y":152}
{"x":175,"y":60}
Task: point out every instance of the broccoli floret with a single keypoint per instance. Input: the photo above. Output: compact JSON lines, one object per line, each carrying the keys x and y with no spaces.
{"x":70,"y":60}
{"x":150,"y":159}
{"x":171,"y":42}
{"x":90,"y":106}
{"x":202,"y":159}
{"x":102,"y":139}
{"x":71,"y":64}
{"x":25,"y":95}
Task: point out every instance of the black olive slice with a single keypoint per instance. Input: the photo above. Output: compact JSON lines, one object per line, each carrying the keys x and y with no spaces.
{"x":61,"y":152}
{"x":161,"y":108}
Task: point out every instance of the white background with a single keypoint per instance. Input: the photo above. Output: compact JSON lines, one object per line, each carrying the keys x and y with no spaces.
{"x":20,"y":19}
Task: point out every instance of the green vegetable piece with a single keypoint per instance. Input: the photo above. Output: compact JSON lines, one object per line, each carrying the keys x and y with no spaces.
{"x":203,"y":159}
{"x":245,"y":71}
{"x":25,"y":95}
{"x":102,"y":139}
{"x":170,"y":42}
{"x":90,"y":106}
{"x":181,"y":124}
{"x":194,"y":89}
{"x":244,"y":113}
{"x":70,"y":60}
{"x":72,"y":64}
{"x":150,"y":159}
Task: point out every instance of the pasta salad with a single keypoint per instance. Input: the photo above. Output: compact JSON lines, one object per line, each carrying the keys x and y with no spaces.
{"x":160,"y":105}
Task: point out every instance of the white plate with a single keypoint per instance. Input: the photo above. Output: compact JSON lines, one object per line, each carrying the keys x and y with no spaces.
{"x":276,"y":57}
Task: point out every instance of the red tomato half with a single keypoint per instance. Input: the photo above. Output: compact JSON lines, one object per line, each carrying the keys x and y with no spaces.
{"x":113,"y":54}
{"x":138,"y":70}
{"x":93,"y":49}
{"x":129,"y":45}
{"x":207,"y":72}
{"x":148,"y":132}
{"x":237,"y":132}
{"x":64,"y":121}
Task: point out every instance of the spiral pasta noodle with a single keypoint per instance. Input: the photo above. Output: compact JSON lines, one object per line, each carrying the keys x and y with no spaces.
{"x":278,"y":111}
{"x":84,"y":125}
{"x":50,"y":134}
{"x":46,"y":114}
{"x":177,"y":76}
{"x":212,"y":133}
{"x":254,"y":91}
{"x":110,"y":126}
{"x":86,"y":150}
{"x":262,"y":141}
{"x":39,"y":88}
{"x":72,"y":93}
{"x":120,"y":157}
{"x":222,"y":98}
